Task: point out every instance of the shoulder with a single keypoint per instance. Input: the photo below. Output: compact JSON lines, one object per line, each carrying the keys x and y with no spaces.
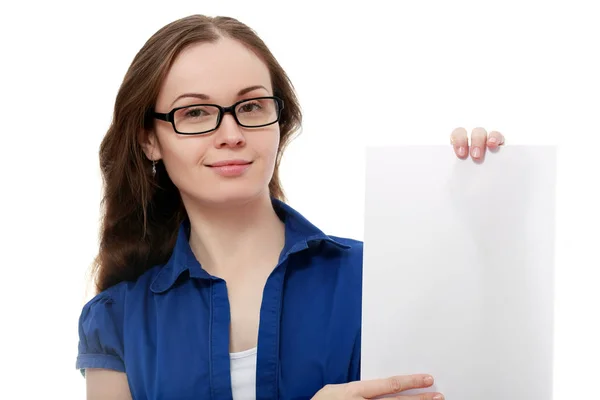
{"x":113,"y":299}
{"x":353,"y":244}
{"x":116,"y":296}
{"x":352,"y":248}
{"x":108,"y":301}
{"x":346,"y":255}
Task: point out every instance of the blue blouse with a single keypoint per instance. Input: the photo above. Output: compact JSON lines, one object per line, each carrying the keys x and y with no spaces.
{"x":169,"y":330}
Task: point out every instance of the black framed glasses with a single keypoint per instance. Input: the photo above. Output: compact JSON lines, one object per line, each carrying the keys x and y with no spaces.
{"x":198,"y":119}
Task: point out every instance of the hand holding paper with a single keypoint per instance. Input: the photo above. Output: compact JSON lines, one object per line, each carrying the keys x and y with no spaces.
{"x":379,"y":388}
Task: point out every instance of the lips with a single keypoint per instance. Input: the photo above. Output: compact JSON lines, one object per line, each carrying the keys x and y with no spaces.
{"x":230,"y":168}
{"x":229,"y":163}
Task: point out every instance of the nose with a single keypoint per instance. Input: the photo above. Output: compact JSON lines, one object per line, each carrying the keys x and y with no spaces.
{"x":229,"y":133}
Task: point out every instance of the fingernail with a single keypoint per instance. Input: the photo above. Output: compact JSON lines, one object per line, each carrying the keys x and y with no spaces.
{"x":429,"y":380}
{"x":462,"y":151}
{"x":438,"y":397}
{"x":476,"y":152}
{"x":493,"y":140}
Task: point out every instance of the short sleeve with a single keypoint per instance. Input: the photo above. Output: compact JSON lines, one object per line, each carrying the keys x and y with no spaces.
{"x":101,"y":333}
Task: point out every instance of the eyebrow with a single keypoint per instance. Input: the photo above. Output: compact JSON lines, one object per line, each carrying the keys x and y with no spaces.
{"x":206,"y":97}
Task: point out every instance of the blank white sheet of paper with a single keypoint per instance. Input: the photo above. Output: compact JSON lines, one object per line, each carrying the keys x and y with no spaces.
{"x":458,"y":272}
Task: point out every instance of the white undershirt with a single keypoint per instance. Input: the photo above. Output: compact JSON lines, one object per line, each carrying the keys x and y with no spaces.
{"x":243,"y":374}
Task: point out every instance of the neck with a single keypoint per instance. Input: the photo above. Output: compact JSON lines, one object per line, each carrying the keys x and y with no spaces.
{"x":228,"y":238}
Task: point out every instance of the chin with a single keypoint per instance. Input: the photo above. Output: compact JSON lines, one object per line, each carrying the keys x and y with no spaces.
{"x":235,"y":195}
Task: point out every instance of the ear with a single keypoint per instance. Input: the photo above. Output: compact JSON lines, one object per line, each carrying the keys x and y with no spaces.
{"x":149,"y":142}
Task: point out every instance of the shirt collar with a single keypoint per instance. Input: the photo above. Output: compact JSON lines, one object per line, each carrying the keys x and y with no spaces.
{"x":300,"y":234}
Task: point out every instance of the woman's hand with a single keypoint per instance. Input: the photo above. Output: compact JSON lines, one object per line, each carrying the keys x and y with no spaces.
{"x":362,"y":390}
{"x":480,"y":140}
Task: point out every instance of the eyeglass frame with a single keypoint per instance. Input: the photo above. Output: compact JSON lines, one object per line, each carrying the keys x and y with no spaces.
{"x":170,"y":116}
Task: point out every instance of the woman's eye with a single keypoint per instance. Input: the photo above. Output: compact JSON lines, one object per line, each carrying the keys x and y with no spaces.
{"x":249,"y":107}
{"x":194,"y":113}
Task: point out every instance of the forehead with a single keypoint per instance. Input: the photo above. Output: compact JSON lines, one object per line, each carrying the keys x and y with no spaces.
{"x":219,"y":70}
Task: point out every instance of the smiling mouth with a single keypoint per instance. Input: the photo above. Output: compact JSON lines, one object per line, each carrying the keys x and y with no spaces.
{"x":230,"y":168}
{"x":229,"y":163}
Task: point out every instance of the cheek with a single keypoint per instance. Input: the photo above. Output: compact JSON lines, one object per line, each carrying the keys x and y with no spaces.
{"x":181,"y":154}
{"x":269,"y":145}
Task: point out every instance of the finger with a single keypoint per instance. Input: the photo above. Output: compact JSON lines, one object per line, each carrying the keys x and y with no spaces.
{"x":478,"y":143}
{"x":394,"y":384}
{"x":460,"y":141}
{"x":495,"y":139}
{"x":422,"y":396}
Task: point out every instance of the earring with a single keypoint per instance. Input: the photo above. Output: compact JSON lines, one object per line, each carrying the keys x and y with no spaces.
{"x":153,"y":163}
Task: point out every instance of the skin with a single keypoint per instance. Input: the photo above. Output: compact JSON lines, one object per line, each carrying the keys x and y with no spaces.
{"x":480,"y":141}
{"x":236,"y":212}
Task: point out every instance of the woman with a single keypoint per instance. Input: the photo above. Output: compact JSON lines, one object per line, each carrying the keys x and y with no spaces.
{"x":198,"y":246}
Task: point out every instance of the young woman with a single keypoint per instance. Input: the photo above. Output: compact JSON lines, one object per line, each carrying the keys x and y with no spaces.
{"x":210,"y":285}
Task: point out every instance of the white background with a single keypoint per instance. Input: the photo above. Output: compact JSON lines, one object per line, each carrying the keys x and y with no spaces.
{"x":367,"y":73}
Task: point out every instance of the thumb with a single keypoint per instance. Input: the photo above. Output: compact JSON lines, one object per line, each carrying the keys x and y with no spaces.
{"x":391,"y":385}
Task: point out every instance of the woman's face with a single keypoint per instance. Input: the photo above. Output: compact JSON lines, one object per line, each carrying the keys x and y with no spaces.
{"x":221,"y":73}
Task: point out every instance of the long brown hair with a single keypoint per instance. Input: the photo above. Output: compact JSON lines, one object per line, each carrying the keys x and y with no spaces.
{"x":141,"y":214}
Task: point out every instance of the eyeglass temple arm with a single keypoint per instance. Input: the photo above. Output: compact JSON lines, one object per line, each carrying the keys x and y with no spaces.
{"x":161,"y":116}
